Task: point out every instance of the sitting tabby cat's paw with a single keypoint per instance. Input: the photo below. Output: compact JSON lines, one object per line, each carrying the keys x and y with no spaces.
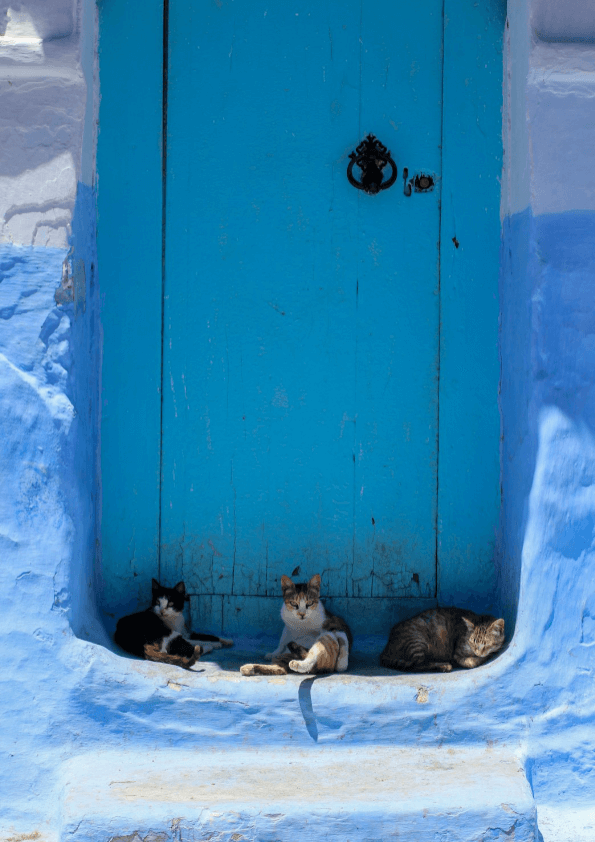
{"x":299,"y":666}
{"x":342,"y":664}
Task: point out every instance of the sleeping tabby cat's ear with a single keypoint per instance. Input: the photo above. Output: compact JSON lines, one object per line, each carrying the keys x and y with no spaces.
{"x":287,"y":584}
{"x":497,"y":626}
{"x":468,"y":623}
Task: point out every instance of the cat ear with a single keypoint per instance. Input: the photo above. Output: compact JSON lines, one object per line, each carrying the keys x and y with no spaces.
{"x":286,"y":584}
{"x":498,"y":626}
{"x":155,"y":584}
{"x":314,"y":582}
{"x":468,"y":623}
{"x":180,"y":587}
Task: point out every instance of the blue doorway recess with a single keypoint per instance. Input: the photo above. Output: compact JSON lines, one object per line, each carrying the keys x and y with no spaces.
{"x":298,"y":375}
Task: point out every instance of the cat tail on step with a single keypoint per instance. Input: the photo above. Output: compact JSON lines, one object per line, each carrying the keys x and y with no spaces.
{"x":153,"y":653}
{"x":263,"y":669}
{"x":280,"y":665}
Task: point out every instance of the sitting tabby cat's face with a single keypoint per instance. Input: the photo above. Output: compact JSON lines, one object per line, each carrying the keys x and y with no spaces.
{"x":301,"y":602}
{"x":168,"y":603}
{"x":485,"y":636}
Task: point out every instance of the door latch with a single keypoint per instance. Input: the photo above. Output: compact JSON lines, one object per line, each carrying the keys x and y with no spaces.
{"x":421,"y":183}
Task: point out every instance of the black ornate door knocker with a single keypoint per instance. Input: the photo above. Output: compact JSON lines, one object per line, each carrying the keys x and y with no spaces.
{"x":371,"y":157}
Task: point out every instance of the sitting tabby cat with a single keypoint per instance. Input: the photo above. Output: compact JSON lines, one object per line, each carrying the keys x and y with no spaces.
{"x":312,"y":640}
{"x":435,"y":638}
{"x":159,"y":633}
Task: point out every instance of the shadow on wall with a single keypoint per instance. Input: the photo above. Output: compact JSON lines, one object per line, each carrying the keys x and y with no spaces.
{"x":548,"y":369}
{"x":519,"y":440}
{"x":82,"y":481}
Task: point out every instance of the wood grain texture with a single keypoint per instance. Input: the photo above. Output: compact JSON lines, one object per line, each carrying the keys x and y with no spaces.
{"x":329,"y":400}
{"x":300,"y":403}
{"x":129,"y":271}
{"x":469,"y":464}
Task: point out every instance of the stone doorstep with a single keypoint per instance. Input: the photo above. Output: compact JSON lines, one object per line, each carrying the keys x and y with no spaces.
{"x":566,"y":822}
{"x":337,"y":794}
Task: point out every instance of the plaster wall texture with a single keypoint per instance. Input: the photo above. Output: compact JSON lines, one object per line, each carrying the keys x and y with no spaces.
{"x":66,"y":697}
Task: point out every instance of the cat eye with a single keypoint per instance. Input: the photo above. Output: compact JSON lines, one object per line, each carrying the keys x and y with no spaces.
{"x":294,"y":604}
{"x":309,"y":604}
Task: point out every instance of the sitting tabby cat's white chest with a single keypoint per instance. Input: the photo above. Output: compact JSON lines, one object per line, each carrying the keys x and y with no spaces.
{"x":304,"y":631}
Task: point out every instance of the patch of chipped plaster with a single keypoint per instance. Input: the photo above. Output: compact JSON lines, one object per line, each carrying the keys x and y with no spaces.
{"x":36,"y":207}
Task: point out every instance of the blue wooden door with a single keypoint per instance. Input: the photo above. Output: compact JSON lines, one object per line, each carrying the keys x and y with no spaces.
{"x":301,"y":314}
{"x":314,"y":368}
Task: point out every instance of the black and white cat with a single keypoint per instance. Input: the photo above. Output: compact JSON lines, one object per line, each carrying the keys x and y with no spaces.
{"x":159,"y":633}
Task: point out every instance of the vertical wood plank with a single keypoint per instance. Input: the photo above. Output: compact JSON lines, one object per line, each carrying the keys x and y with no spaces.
{"x":397,"y":333}
{"x":469,"y":465}
{"x":129,"y":272}
{"x":260,"y":329}
{"x":278,"y":274}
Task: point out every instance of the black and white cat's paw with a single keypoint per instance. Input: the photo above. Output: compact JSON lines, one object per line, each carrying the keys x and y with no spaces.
{"x":226,"y":642}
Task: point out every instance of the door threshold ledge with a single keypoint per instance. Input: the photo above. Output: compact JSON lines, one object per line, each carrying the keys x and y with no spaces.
{"x":353,"y":793}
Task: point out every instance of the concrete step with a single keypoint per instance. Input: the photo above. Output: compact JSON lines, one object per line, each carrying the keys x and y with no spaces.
{"x":336,"y":794}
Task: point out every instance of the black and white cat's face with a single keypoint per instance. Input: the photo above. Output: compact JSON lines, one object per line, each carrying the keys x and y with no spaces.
{"x":301,"y":602}
{"x":485,"y":637}
{"x":168,"y":603}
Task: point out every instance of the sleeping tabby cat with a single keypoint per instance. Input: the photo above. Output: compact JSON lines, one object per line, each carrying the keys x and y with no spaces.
{"x":312,"y":640}
{"x":436,"y":638}
{"x":159,"y":633}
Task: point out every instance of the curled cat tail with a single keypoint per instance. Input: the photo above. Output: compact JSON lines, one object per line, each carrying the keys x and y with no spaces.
{"x":263,"y":669}
{"x":280,"y":665}
{"x":153,"y":653}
